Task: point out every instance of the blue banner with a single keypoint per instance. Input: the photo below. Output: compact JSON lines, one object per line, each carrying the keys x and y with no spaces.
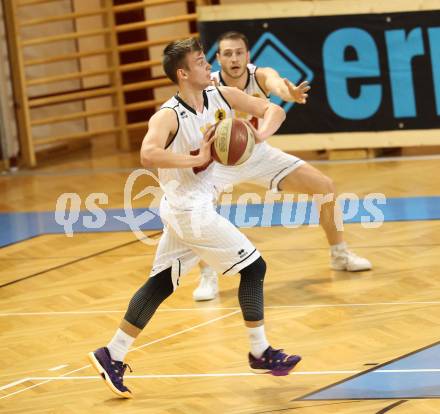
{"x":368,"y":72}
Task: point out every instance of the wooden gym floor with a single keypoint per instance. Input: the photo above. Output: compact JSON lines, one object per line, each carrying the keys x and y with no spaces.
{"x":63,"y":297}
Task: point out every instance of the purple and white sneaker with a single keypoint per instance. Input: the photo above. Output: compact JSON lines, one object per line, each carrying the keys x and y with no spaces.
{"x":273,"y":361}
{"x":111,"y":371}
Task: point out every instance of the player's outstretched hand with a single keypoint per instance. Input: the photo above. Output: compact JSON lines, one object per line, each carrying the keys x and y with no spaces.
{"x":298,"y":93}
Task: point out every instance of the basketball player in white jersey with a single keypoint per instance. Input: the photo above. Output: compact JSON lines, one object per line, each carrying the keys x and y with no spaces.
{"x":268,"y":166}
{"x":178,"y":143}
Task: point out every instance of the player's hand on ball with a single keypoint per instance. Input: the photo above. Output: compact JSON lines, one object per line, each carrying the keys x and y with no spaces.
{"x":205,"y":146}
{"x":234,"y":142}
{"x":257,"y":136}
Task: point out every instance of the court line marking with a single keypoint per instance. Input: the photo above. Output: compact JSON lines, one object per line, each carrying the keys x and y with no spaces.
{"x":57,"y":368}
{"x":379,"y":160}
{"x":219,"y":375}
{"x":131,"y":350}
{"x":84,"y":171}
{"x":153,"y":376}
{"x":381,"y":367}
{"x":125,"y":244}
{"x":103,"y":254}
{"x":381,"y":371}
{"x":13,"y":384}
{"x":236,"y":308}
{"x":296,"y":249}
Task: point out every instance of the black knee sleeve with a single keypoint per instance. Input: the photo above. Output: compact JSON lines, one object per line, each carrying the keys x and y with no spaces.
{"x":148,"y":298}
{"x":250,"y":291}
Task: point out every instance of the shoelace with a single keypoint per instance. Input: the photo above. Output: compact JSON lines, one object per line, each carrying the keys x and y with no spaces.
{"x":121,"y":368}
{"x":277,"y":355}
{"x":124,"y":368}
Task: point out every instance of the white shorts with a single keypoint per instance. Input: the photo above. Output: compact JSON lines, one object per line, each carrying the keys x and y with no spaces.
{"x":267,"y":166}
{"x":200,"y":234}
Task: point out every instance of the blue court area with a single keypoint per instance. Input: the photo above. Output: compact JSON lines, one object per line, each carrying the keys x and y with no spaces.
{"x":17,"y":227}
{"x":416,"y":375}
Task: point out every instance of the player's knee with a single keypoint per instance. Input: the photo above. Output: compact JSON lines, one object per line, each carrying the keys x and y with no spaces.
{"x":329,"y":185}
{"x":324,"y":186}
{"x":162,"y":282}
{"x":256,"y":270}
{"x":160,"y":285}
{"x":146,"y":300}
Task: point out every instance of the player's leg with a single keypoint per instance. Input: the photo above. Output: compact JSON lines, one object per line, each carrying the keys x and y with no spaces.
{"x":229,"y":251}
{"x":275,"y":169}
{"x":262,"y":357}
{"x":224,"y":176}
{"x":109,"y":360}
{"x":308,"y":180}
{"x":208,"y":283}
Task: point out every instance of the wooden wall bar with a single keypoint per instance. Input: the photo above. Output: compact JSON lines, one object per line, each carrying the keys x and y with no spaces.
{"x":89,"y":69}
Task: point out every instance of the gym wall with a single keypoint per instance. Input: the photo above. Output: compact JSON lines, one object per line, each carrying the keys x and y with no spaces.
{"x":373,"y":67}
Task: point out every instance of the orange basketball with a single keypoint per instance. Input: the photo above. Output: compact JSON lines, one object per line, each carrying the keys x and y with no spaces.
{"x":234,"y":142}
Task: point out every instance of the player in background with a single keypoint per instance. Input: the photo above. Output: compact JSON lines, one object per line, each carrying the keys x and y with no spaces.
{"x":268,"y":166}
{"x":178,"y":143}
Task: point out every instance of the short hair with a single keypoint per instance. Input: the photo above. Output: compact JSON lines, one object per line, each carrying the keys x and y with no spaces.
{"x":174,"y":55}
{"x":233,"y":36}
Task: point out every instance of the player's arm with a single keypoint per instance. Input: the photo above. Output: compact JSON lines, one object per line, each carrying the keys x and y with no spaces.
{"x":272,"y":115}
{"x":274,"y":84}
{"x":162,"y":126}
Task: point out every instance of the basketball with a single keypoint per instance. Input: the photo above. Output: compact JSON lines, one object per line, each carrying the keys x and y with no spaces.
{"x":234,"y":142}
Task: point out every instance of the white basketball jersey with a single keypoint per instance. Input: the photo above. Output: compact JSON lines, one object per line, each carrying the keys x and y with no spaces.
{"x":186,"y":188}
{"x":252,"y":88}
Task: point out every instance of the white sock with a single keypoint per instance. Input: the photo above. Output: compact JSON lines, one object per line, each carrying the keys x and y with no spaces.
{"x":258,"y":341}
{"x":119,"y":345}
{"x":208,"y":271}
{"x":336,"y":248}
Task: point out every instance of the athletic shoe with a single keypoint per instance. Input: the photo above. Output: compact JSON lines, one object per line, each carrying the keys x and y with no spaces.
{"x":208,"y":286}
{"x":344,"y":259}
{"x":111,"y":371}
{"x":273,"y":361}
